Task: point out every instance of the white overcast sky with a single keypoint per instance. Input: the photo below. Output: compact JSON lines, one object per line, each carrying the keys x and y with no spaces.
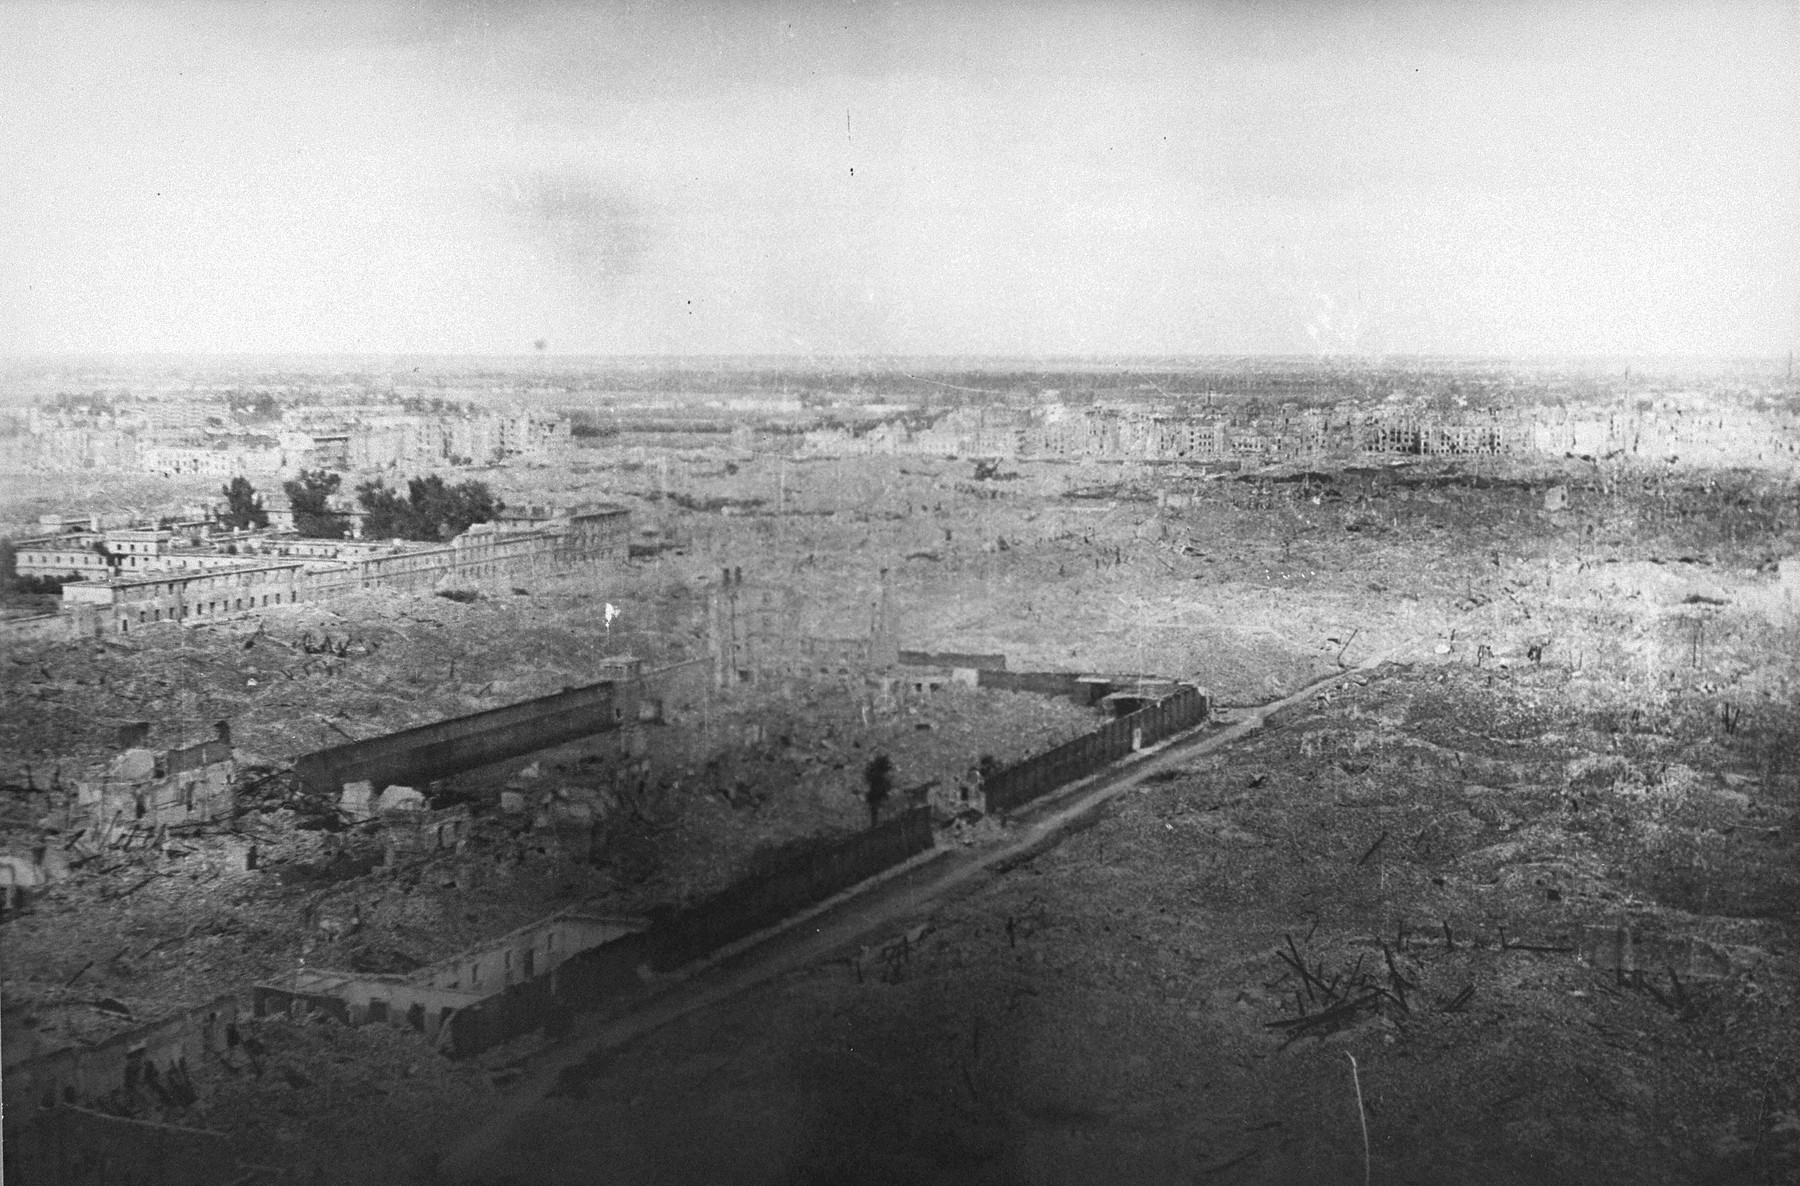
{"x":852,"y":178}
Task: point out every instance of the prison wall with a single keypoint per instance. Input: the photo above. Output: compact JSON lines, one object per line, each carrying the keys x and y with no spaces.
{"x":461,"y":743}
{"x":1075,"y":759}
{"x":804,"y":880}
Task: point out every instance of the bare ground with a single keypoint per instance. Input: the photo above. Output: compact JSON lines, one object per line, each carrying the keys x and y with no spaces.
{"x":1128,"y":1006}
{"x":1598,"y":735}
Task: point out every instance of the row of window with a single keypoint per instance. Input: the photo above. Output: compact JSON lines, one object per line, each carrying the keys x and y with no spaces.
{"x":200,"y":610}
{"x":88,"y":561}
{"x":140,"y":592}
{"x":131,"y":561}
{"x":530,"y":963}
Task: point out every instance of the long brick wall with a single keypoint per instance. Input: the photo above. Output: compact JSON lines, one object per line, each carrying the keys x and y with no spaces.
{"x":462,"y":743}
{"x":811,"y":877}
{"x":1035,"y":776}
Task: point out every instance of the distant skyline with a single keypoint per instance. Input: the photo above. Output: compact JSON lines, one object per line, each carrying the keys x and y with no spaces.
{"x":1067,"y":181}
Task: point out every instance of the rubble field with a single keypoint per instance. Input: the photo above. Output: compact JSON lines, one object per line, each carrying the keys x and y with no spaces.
{"x":1536,"y":876}
{"x":137,"y":928}
{"x":1537,"y":873}
{"x":1253,"y":583}
{"x":319,"y":674}
{"x":1558,"y":945}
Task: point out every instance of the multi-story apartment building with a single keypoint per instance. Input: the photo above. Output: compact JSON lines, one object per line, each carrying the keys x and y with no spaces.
{"x":199,"y":437}
{"x":223,"y":459}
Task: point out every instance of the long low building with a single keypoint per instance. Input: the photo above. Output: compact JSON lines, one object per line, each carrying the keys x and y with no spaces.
{"x":240,"y":586}
{"x":122,"y":604}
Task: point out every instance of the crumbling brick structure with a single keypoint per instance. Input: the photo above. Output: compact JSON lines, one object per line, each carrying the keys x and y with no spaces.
{"x":153,"y":788}
{"x":429,"y":999}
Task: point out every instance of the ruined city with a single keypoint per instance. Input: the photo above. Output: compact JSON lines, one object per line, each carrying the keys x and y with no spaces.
{"x":904,"y":598}
{"x":272,"y":785}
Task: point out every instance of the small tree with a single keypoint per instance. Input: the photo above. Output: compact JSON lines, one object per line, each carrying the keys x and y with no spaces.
{"x":242,"y":507}
{"x":878,"y":780}
{"x":308,"y":495}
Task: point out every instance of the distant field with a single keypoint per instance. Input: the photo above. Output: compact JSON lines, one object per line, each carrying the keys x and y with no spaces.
{"x":25,"y":496}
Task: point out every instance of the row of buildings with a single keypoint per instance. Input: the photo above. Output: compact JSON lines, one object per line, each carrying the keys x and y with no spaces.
{"x":1691,"y":431}
{"x":357,"y":438}
{"x":381,"y":437}
{"x":122,"y":580}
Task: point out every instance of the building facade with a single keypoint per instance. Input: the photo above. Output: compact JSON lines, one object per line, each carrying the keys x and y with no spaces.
{"x":208,"y":587}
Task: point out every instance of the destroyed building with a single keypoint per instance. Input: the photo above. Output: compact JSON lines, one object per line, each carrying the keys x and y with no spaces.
{"x":763,"y":630}
{"x":428,"y":1000}
{"x":152,"y":788}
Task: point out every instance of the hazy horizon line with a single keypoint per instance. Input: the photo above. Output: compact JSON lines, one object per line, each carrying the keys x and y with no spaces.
{"x":819,"y":357}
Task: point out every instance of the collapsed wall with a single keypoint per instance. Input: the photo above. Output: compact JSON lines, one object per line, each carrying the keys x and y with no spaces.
{"x":578,"y":961}
{"x":146,"y":788}
{"x":442,"y":1001}
{"x":158,"y":1053}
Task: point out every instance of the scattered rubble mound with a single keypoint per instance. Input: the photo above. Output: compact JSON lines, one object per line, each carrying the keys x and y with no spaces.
{"x":126,"y":926}
{"x":316,"y":1094}
{"x":1441,"y":875}
{"x":320,"y":674}
{"x":1541,"y":885}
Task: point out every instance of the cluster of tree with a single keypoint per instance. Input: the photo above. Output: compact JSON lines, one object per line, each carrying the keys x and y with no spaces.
{"x":432,"y":509}
{"x":310,"y":496}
